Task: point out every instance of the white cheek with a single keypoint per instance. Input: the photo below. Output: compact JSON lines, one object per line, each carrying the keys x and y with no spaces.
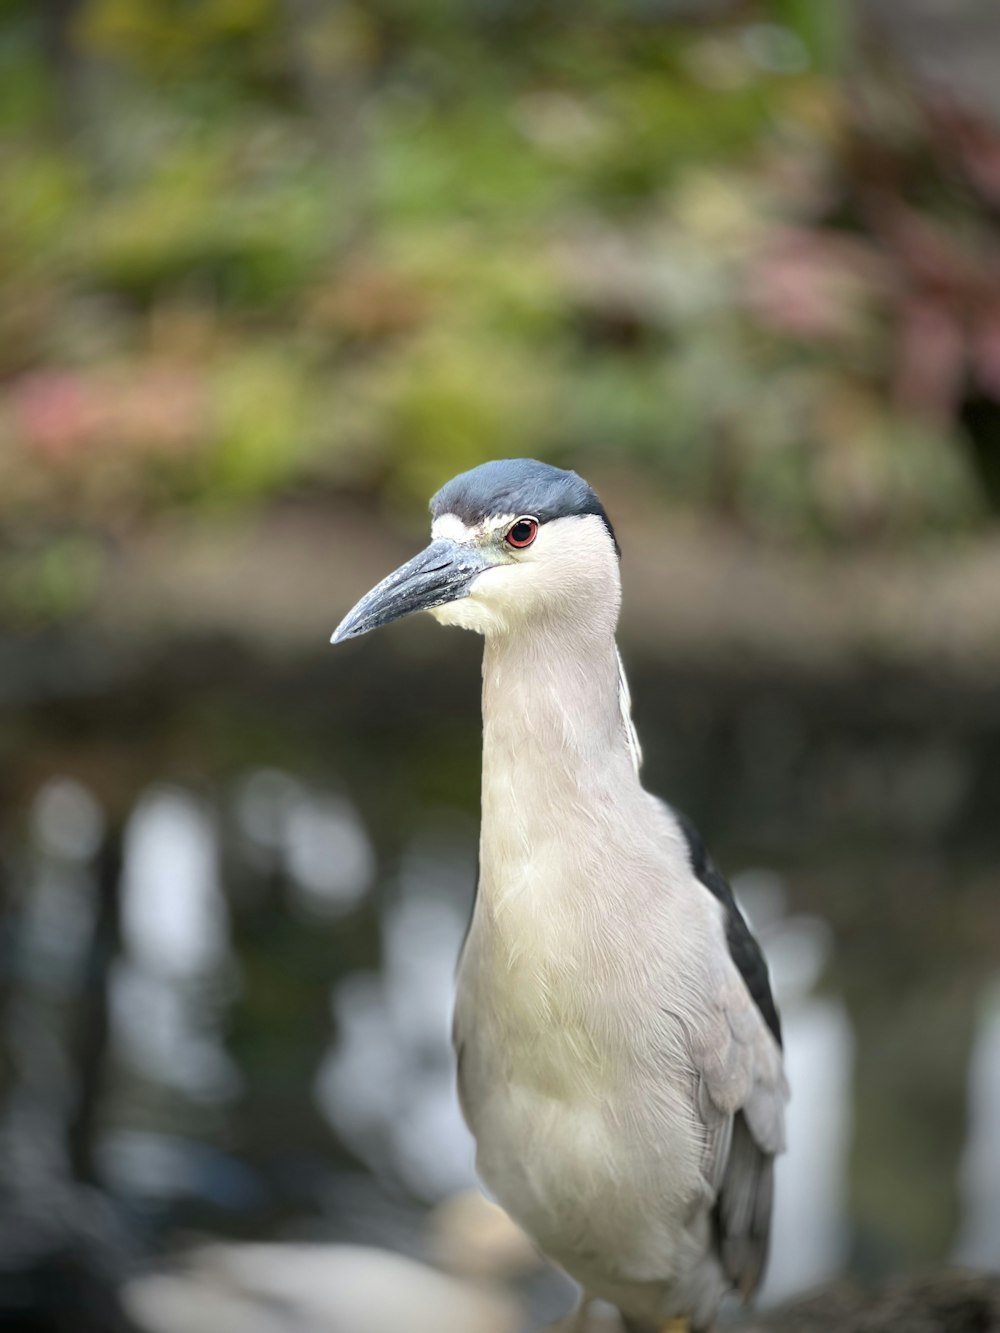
{"x":465,"y":614}
{"x":503,"y":589}
{"x":490,"y":604}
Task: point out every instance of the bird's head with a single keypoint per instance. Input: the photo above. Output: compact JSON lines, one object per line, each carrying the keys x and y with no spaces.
{"x":513,"y":541}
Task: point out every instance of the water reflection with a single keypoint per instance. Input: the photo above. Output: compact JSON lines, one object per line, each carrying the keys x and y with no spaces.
{"x":47,"y":970}
{"x":58,"y":914}
{"x":67,"y":820}
{"x":809,"y":1235}
{"x":167,"y":1004}
{"x":978,"y":1243}
{"x":279,"y":986}
{"x":388,"y":1085}
{"x":330,"y":858}
{"x":316,"y":837}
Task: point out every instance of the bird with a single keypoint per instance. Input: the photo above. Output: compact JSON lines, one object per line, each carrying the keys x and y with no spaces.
{"x":618,"y":1049}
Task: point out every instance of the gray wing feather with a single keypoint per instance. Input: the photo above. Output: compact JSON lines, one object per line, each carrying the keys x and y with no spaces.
{"x":743,"y":1212}
{"x":741,"y":1097}
{"x":742,"y":1089}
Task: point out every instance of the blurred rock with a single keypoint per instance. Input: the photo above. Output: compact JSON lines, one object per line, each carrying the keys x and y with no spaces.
{"x":474,"y":1237}
{"x":64,"y":1254}
{"x":946,"y":1302}
{"x":313,"y":1289}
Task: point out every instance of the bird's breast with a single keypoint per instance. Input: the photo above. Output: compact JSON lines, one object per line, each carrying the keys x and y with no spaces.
{"x":577,"y":1133}
{"x":543,"y":973}
{"x":559,"y":903}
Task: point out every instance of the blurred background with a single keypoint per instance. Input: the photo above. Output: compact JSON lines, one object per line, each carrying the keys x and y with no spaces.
{"x":271,"y":271}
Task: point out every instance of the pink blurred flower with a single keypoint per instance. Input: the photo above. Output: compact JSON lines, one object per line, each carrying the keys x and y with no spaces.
{"x":53,"y":412}
{"x":67,"y":416}
{"x":986,"y":350}
{"x":812,"y":284}
{"x":930,"y":356}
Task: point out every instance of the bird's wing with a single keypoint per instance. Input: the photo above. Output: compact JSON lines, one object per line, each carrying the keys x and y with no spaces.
{"x":742,"y":1091}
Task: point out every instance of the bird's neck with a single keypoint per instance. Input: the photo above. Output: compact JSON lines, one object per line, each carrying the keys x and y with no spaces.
{"x":551,"y":699}
{"x":557,"y":758}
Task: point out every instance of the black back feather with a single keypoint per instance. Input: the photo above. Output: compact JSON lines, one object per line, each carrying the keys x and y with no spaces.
{"x":743,"y":948}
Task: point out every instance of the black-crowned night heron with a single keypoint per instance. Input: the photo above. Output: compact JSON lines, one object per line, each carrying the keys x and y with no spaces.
{"x":619,"y":1051}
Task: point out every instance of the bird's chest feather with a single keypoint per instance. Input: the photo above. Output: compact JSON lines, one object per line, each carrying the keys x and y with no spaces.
{"x":562,"y":1019}
{"x":555,"y":970}
{"x":576,"y":1134}
{"x":543,"y":942}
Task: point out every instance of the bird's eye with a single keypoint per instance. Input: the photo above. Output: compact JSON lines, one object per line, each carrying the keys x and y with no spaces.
{"x":522,"y":533}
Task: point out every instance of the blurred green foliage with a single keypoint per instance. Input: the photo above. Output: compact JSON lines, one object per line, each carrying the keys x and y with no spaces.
{"x":249,"y":247}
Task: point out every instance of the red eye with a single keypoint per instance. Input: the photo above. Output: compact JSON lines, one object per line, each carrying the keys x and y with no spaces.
{"x":522,"y":533}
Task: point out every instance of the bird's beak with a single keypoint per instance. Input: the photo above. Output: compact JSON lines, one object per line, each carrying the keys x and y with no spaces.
{"x":441,"y":573}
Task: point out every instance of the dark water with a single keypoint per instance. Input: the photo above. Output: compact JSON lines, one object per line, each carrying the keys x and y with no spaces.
{"x":235,"y":891}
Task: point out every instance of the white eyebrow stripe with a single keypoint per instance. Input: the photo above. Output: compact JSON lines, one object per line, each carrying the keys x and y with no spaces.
{"x":499,"y":522}
{"x":450,"y":525}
